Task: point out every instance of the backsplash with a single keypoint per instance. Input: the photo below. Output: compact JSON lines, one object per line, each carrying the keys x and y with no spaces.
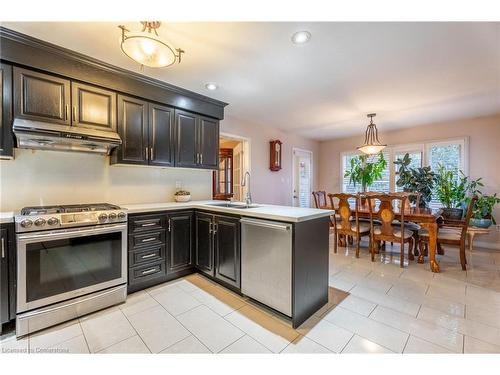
{"x":52,"y":177}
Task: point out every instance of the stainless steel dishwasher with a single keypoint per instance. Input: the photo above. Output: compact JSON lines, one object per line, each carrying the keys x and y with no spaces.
{"x":266,"y":263}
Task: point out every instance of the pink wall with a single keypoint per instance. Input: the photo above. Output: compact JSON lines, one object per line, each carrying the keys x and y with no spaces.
{"x":271,"y":187}
{"x":484,"y":152}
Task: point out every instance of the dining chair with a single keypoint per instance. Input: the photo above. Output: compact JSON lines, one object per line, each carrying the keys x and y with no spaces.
{"x":414,"y":227}
{"x":343,"y":223}
{"x":451,"y":233}
{"x":319,"y":199}
{"x":381,"y":208}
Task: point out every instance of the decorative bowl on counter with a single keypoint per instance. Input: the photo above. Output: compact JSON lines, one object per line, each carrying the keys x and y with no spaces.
{"x":182,"y":196}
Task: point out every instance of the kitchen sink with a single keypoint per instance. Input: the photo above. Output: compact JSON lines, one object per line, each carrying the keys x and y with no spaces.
{"x":233,"y":205}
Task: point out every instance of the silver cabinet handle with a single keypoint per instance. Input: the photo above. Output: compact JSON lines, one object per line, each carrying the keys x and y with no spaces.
{"x":265,"y":224}
{"x":216,"y":228}
{"x":148,"y":239}
{"x":66,"y":114}
{"x":146,"y":152}
{"x":148,"y":224}
{"x":169,"y":224}
{"x":201,"y":158}
{"x":151,"y":149}
{"x":148,"y":256}
{"x":210,"y":228}
{"x":74,"y":113}
{"x":3,"y":248}
{"x":147,"y":272}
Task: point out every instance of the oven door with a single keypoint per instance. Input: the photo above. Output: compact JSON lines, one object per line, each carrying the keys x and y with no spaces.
{"x":59,"y":265}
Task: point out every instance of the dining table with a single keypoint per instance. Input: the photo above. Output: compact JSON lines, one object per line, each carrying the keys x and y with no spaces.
{"x":427,"y":218}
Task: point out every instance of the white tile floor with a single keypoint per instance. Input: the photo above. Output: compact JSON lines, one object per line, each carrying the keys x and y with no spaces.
{"x":373,"y":308}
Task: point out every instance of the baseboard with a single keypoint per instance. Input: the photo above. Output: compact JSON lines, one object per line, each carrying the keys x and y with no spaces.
{"x":487,"y":245}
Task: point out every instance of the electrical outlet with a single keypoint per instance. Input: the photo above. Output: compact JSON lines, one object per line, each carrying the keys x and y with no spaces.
{"x":178,"y":184}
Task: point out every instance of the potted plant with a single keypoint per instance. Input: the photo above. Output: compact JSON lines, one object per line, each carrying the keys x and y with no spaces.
{"x":420,"y":180}
{"x":482,"y":215}
{"x":451,"y":192}
{"x":182,"y":196}
{"x":364,"y":172}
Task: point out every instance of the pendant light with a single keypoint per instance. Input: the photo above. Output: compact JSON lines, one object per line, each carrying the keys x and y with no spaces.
{"x":372,"y":145}
{"x":146,"y":48}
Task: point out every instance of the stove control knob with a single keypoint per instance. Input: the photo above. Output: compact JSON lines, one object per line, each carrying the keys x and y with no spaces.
{"x":53,"y":221}
{"x":112,"y":216}
{"x":121,"y":215}
{"x":26,"y":223}
{"x":40,"y":222}
{"x":103,"y":217}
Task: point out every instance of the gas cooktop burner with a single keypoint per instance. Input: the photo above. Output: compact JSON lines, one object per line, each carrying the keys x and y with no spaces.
{"x":62,"y":216}
{"x":46,"y":210}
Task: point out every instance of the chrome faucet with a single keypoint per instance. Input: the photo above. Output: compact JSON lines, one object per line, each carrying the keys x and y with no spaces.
{"x":248,"y":195}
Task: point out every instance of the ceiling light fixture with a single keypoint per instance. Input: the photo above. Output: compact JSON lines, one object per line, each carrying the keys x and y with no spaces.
{"x":211,"y":86}
{"x":146,"y":48}
{"x":372,"y":145}
{"x":301,"y":37}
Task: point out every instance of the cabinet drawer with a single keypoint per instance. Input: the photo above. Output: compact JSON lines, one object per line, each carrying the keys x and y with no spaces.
{"x":146,"y":223}
{"x":147,"y":239}
{"x":147,"y":255}
{"x":146,"y":272}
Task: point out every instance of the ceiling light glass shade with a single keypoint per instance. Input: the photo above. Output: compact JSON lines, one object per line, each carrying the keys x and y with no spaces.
{"x":211,"y":86}
{"x":372,"y":145}
{"x":301,"y":37}
{"x":147,"y":49}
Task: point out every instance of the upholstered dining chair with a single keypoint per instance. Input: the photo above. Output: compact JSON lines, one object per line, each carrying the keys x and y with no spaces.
{"x":414,"y":227}
{"x":319,"y":199}
{"x":381,"y":208}
{"x":451,"y":233}
{"x":344,"y":225}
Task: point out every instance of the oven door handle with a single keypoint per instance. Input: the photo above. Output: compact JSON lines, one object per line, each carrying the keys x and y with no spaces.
{"x":69,"y":233}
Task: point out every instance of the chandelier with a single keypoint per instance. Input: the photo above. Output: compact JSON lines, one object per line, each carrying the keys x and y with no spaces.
{"x":146,"y":48}
{"x":372,"y":145}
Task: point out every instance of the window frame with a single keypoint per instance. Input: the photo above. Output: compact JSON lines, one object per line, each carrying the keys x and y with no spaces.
{"x":422,"y":147}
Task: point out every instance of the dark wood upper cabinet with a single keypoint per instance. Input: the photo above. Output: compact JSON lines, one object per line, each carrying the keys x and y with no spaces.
{"x":208,"y":143}
{"x":133,"y":130}
{"x":186,"y":127}
{"x":180,"y":241}
{"x":6,"y":136}
{"x":93,"y":107}
{"x":227,"y":250}
{"x":204,"y":254}
{"x":161,"y":135}
{"x":41,"y":97}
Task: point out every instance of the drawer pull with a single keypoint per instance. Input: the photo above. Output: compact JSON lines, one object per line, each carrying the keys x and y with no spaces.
{"x":3,"y":248}
{"x":148,"y":256}
{"x":147,"y":272}
{"x":148,"y":239}
{"x":148,"y":224}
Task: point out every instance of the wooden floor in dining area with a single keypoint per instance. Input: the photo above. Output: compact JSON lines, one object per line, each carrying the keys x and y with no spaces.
{"x":374,"y":307}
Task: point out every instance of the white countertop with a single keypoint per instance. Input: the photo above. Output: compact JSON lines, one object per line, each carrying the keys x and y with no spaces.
{"x":6,"y":217}
{"x":263,"y":211}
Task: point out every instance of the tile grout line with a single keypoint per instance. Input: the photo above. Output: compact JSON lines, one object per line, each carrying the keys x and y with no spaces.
{"x":140,"y":337}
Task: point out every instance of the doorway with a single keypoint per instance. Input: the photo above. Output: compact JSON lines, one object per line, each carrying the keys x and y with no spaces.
{"x":302,"y":177}
{"x":234,"y":161}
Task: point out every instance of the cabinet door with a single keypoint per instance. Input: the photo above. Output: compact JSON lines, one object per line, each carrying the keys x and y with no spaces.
{"x":4,"y":278}
{"x":42,"y":97}
{"x":227,"y":250}
{"x":204,"y":244}
{"x":161,"y":135}
{"x":208,"y":143}
{"x":93,"y":107}
{"x":133,"y":130}
{"x":180,"y":240}
{"x":186,"y":150}
{"x":6,"y":138}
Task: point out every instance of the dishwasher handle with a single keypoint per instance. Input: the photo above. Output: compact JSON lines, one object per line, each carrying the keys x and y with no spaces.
{"x":266,"y":224}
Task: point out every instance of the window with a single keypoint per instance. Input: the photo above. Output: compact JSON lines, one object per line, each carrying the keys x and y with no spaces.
{"x":379,"y":185}
{"x":451,"y":153}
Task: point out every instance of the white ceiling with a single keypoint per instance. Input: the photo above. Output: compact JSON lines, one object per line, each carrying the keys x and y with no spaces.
{"x":408,"y":73}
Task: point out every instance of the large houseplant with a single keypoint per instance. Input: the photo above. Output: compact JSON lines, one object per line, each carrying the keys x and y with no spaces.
{"x":420,"y":179}
{"x":365,"y":172}
{"x":451,"y":192}
{"x":482,"y":215}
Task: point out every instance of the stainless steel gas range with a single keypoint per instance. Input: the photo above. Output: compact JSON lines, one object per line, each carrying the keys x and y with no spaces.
{"x":71,"y":260}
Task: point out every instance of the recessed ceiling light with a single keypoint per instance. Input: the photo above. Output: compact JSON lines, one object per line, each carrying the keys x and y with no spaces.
{"x":211,"y":86}
{"x":301,"y":37}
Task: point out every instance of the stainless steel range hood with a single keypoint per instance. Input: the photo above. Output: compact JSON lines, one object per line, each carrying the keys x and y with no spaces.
{"x":47,"y":136}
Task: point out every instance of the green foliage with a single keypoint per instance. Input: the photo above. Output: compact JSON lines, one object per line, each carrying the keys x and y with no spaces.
{"x":364,"y":172}
{"x":420,"y":179}
{"x":449,"y":188}
{"x":484,"y":206}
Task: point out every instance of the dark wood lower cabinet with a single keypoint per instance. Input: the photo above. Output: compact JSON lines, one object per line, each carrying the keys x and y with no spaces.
{"x":204,"y":256}
{"x":180,"y":242}
{"x":7,"y":274}
{"x":227,"y":241}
